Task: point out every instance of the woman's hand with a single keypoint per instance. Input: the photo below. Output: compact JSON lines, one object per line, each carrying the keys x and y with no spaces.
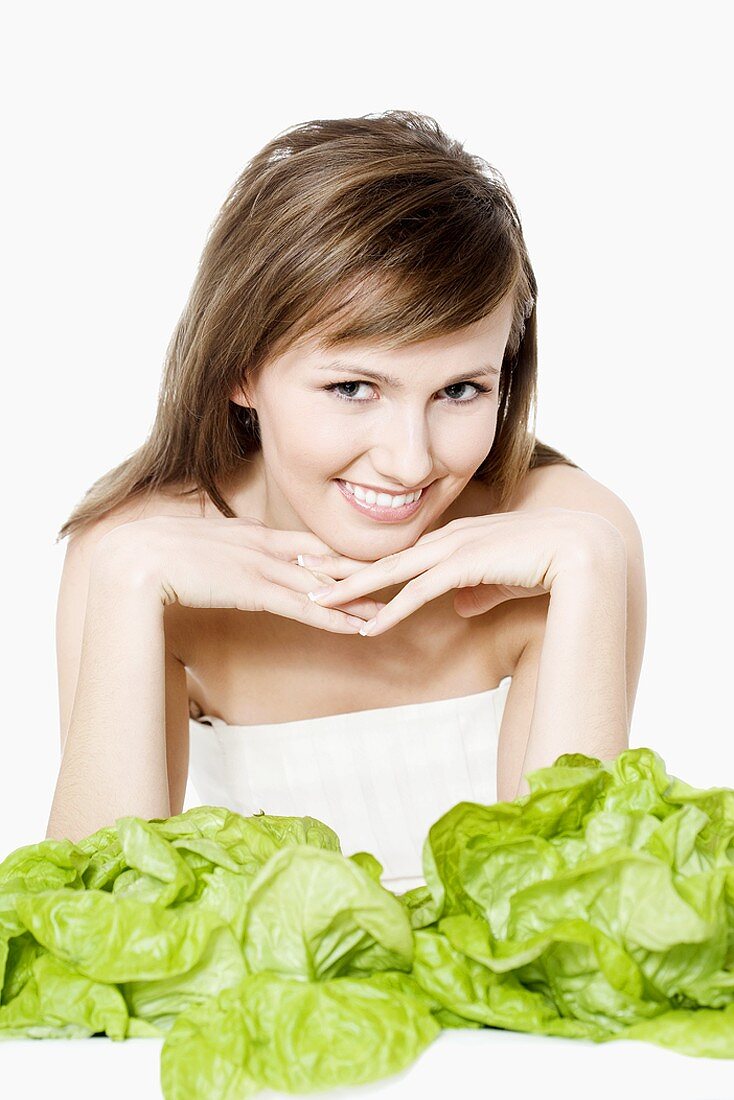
{"x":360,"y":607}
{"x":489,"y":559}
{"x":222,"y":562}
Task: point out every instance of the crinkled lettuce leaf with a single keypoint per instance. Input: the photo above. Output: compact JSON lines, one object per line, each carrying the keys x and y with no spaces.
{"x":598,"y":906}
{"x":316,"y":915}
{"x":607,"y":891}
{"x":292,"y":1035}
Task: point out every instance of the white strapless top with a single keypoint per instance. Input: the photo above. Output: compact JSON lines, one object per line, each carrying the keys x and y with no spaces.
{"x":379,"y":778}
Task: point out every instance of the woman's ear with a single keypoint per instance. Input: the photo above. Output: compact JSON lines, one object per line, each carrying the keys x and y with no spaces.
{"x":240,"y":396}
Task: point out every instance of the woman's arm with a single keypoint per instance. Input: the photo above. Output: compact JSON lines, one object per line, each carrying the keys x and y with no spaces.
{"x":114,"y":756}
{"x":581,"y":692}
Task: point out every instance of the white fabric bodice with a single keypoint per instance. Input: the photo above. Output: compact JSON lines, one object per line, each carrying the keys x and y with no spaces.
{"x":378,"y":777}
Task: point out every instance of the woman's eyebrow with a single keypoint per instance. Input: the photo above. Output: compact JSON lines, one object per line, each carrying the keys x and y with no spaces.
{"x":390,"y":380}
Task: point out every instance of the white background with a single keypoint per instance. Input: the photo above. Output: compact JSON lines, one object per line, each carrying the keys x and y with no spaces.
{"x":125,"y":126}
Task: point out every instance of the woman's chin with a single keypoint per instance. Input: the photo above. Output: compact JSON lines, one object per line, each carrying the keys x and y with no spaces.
{"x":365,"y":550}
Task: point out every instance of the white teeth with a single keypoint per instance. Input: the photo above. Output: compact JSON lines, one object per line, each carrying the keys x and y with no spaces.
{"x":382,"y":500}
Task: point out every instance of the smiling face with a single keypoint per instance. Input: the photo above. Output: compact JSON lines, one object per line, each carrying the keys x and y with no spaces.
{"x":427,"y":423}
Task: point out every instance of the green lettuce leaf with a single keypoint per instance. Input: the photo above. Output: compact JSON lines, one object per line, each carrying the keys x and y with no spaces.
{"x":598,"y":906}
{"x":294,"y":1036}
{"x":315,"y":914}
{"x":116,"y":939}
{"x":59,"y":1002}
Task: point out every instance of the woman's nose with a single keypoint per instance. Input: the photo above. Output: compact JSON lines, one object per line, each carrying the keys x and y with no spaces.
{"x":403,"y":453}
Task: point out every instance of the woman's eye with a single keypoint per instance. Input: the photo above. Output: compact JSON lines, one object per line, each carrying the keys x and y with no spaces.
{"x":476,"y":386}
{"x":478,"y":390}
{"x":335,"y":386}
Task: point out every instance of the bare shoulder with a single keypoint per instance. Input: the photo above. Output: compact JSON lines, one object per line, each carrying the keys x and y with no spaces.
{"x":559,"y":485}
{"x":562,"y":486}
{"x":158,"y":503}
{"x":141,"y":506}
{"x":83,"y":542}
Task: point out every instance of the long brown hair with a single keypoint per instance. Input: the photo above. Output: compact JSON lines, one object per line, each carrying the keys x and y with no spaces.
{"x":378,"y":228}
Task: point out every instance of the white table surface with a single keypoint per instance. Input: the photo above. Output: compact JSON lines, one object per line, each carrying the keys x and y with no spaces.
{"x":487,"y":1063}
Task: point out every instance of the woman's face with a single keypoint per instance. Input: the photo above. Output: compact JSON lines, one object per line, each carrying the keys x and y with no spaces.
{"x":429,"y":426}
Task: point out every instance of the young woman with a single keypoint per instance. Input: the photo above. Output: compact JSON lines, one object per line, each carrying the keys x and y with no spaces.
{"x":346,"y":401}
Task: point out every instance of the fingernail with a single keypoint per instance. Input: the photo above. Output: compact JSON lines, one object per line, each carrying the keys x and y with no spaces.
{"x":307,"y":560}
{"x":368,"y":627}
{"x":319,"y":593}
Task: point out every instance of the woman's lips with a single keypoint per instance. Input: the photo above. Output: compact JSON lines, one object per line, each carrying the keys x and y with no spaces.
{"x":383,"y":515}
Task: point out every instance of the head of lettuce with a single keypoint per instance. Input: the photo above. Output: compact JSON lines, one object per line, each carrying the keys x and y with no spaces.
{"x":600,"y":906}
